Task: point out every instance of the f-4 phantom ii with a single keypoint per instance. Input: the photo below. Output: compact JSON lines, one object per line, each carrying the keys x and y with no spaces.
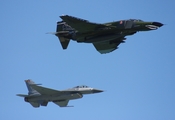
{"x":39,"y":95}
{"x":105,"y":37}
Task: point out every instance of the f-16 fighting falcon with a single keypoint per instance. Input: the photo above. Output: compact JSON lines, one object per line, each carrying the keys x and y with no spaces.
{"x":39,"y":95}
{"x":105,"y":37}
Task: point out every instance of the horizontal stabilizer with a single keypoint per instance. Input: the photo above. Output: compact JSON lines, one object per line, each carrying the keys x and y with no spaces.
{"x":58,"y":33}
{"x":64,"y":42}
{"x":35,"y":104}
{"x":69,"y":106}
{"x":22,"y":95}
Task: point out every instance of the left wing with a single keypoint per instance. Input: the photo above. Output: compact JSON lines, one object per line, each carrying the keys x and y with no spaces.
{"x":106,"y":47}
{"x":44,"y":90}
{"x":62,"y":103}
{"x":80,"y":24}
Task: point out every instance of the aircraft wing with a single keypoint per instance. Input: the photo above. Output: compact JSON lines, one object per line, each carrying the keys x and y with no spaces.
{"x":106,"y":47}
{"x":44,"y":90}
{"x":81,"y":25}
{"x":62,"y":103}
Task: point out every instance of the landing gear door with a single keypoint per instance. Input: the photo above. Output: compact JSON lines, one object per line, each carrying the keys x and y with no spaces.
{"x":128,"y":24}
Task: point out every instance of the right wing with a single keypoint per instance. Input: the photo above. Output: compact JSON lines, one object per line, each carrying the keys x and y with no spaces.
{"x":80,"y":24}
{"x":105,"y":47}
{"x":44,"y":90}
{"x":62,"y":103}
{"x":49,"y":91}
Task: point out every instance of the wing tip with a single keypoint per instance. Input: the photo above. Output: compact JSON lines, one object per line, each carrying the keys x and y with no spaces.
{"x":72,"y":17}
{"x":63,"y":15}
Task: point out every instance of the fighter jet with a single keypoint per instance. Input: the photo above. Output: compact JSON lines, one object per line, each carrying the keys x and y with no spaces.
{"x":39,"y":95}
{"x":105,"y":37}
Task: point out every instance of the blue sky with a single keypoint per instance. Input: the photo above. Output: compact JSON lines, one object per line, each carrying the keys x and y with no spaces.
{"x":138,"y":78}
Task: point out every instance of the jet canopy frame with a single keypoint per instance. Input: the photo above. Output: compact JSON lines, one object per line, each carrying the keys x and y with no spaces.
{"x":82,"y":86}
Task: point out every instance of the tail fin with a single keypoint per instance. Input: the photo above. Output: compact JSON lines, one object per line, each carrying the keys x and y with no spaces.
{"x":64,"y":32}
{"x":30,"y":89}
{"x":62,"y":26}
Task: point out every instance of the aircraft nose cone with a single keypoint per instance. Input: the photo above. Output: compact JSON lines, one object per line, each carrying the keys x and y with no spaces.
{"x":96,"y":91}
{"x":158,"y":24}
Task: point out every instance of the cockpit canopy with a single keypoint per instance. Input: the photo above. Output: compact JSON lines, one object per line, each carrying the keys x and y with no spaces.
{"x":136,"y":20}
{"x":82,"y":86}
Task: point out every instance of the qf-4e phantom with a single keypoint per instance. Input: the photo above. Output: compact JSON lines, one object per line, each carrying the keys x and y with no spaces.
{"x":105,"y":37}
{"x":40,"y":96}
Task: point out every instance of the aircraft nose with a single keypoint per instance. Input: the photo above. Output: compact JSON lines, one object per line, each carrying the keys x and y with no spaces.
{"x":158,"y":24}
{"x":96,"y":91}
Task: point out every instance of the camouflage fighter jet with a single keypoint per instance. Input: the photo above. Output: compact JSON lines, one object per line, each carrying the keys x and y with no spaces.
{"x":39,"y":95}
{"x":105,"y":37}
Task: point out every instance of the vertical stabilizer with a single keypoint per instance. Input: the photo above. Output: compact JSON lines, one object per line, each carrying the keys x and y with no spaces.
{"x":30,"y":89}
{"x":62,"y":26}
{"x":64,"y":32}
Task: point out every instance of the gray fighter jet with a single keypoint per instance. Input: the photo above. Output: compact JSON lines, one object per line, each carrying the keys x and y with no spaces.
{"x":39,"y":95}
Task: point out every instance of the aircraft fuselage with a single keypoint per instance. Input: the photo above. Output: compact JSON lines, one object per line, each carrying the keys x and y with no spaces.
{"x":53,"y":97}
{"x":114,"y":31}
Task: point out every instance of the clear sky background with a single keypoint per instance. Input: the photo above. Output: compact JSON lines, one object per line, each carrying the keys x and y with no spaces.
{"x":138,"y":78}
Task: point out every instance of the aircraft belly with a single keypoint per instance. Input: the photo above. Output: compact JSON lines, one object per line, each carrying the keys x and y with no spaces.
{"x":67,"y":96}
{"x":95,"y":39}
{"x":85,"y":37}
